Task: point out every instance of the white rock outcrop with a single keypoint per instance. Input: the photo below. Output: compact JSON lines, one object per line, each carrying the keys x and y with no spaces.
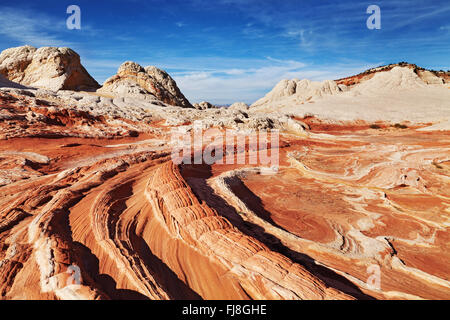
{"x":204,"y":105}
{"x":298,"y":91}
{"x":429,"y":78}
{"x":396,"y":94}
{"x":150,"y":83}
{"x":47,"y":67}
{"x":239,"y":106}
{"x":399,"y":78}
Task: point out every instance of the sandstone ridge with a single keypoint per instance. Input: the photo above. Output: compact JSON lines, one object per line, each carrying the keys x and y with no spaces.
{"x":300,"y":91}
{"x":395,"y":93}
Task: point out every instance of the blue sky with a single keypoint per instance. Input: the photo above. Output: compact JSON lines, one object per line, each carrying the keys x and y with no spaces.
{"x":224,"y":51}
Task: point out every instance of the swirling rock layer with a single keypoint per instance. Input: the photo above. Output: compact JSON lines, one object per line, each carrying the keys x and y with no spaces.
{"x":92,"y":207}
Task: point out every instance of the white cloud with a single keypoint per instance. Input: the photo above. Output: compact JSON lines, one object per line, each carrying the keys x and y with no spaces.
{"x":30,"y":28}
{"x":40,"y":29}
{"x":225,"y":86}
{"x":235,"y":72}
{"x":427,"y":15}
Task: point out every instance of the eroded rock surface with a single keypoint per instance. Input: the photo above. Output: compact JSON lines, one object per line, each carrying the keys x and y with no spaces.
{"x":239,"y":106}
{"x":368,"y":97}
{"x":93,"y":207}
{"x":46,"y":67}
{"x":145,"y":83}
{"x":299,"y":91}
{"x":204,"y":105}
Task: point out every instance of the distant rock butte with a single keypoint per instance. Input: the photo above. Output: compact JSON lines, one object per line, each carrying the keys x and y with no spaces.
{"x":300,"y":90}
{"x":204,"y":105}
{"x":427,"y":76}
{"x":47,"y":67}
{"x":378,"y":80}
{"x":239,"y":106}
{"x":393,"y":93}
{"x":134,"y":80}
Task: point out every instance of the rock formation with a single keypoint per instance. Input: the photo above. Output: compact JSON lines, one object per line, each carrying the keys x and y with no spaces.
{"x":92,"y":205}
{"x":47,"y":67}
{"x":398,"y":78}
{"x":9,"y":84}
{"x":204,"y":105}
{"x":298,"y":91}
{"x":427,"y":76}
{"x":239,"y":106}
{"x":199,"y":226}
{"x":430,"y":78}
{"x":144,"y":83}
{"x":395,"y":94}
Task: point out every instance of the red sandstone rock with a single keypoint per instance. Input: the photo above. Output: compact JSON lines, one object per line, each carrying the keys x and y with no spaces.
{"x":91,"y":210}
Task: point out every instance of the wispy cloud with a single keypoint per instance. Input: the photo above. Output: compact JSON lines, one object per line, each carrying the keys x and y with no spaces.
{"x":37,"y":28}
{"x":420,"y":17}
{"x":225,"y":86}
{"x":31,"y":28}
